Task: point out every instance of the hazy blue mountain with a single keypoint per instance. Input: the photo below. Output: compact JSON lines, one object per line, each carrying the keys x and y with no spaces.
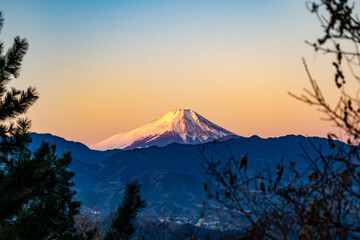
{"x":174,"y":175}
{"x":171,"y":176}
{"x":79,"y":150}
{"x":85,"y":161}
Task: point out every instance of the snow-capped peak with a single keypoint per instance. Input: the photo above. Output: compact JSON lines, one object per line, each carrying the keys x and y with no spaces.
{"x":179,"y":125}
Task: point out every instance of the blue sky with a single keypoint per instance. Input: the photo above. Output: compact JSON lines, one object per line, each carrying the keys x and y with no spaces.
{"x":104,"y":67}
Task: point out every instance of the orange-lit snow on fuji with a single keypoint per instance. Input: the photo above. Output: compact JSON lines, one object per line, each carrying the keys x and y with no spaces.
{"x":180,"y":126}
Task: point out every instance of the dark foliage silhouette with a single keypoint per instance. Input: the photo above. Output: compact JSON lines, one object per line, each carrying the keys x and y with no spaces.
{"x":36,"y":196}
{"x":123,"y":224}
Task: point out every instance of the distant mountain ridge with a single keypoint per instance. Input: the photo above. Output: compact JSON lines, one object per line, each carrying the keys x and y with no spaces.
{"x":78,"y":149}
{"x":171,"y":176}
{"x":178,"y":126}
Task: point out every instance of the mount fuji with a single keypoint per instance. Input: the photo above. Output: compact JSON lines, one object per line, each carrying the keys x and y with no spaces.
{"x":182,"y":126}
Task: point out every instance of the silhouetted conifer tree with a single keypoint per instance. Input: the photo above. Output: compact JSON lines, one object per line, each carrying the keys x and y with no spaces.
{"x":123,"y":226}
{"x":36,"y":199}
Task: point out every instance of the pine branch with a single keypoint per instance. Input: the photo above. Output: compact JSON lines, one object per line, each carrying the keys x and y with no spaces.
{"x":10,"y":64}
{"x":17,"y":102}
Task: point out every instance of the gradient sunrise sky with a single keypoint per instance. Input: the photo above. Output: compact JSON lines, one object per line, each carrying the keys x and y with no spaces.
{"x":104,"y":67}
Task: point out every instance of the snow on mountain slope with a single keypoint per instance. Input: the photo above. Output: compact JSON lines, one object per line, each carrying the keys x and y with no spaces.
{"x":179,"y":126}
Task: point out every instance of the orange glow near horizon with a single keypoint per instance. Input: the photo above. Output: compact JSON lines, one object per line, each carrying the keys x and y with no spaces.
{"x":105,"y":68}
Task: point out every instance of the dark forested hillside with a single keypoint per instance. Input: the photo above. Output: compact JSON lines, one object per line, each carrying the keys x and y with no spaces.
{"x":171,"y":176}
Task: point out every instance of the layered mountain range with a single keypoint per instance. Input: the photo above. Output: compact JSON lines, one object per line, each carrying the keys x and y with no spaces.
{"x":167,"y":157}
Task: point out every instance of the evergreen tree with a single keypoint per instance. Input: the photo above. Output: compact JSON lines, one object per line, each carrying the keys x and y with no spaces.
{"x":122,"y":226}
{"x":36,"y":196}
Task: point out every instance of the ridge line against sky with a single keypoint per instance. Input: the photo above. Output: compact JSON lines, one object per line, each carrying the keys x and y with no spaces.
{"x":104,"y":67}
